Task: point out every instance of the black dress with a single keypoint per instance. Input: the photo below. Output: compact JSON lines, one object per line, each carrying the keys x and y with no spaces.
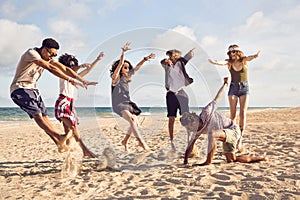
{"x":121,"y":98}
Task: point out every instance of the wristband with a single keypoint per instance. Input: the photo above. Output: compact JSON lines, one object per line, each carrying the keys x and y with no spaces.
{"x":146,"y":59}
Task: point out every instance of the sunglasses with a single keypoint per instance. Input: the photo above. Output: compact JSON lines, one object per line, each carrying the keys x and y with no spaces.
{"x":51,"y":54}
{"x":73,"y":65}
{"x":125,"y":67}
{"x":233,"y":51}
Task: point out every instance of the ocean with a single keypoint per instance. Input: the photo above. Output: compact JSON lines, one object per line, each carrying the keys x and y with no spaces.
{"x":13,"y":114}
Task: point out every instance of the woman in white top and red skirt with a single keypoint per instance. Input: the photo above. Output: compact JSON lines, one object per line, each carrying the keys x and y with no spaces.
{"x":64,"y":107}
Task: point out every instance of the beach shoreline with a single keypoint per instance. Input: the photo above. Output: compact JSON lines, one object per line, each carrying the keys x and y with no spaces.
{"x":31,"y":167}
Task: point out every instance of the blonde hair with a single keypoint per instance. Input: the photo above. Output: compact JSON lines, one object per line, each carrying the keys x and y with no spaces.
{"x":174,"y":54}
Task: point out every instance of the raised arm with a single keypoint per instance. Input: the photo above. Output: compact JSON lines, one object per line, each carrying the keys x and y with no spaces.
{"x":189,"y":55}
{"x":139,"y":65}
{"x":221,"y":90}
{"x":166,"y":62}
{"x":122,"y":58}
{"x":89,"y":66}
{"x":249,"y":58}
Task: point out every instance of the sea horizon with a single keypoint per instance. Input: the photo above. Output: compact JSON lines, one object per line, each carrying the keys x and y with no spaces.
{"x":13,"y":114}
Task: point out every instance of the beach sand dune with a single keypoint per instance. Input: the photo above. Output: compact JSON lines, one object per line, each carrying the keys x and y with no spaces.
{"x":31,"y":167}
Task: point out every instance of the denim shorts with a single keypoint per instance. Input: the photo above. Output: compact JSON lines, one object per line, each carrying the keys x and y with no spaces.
{"x":238,"y":89}
{"x":30,"y":101}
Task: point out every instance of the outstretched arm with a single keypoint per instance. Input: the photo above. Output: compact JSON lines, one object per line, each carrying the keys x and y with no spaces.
{"x":192,"y":143}
{"x":74,"y":75}
{"x":249,"y":58}
{"x":122,"y":58}
{"x":61,"y":71}
{"x":221,"y":90}
{"x":88,"y":67}
{"x":215,"y":62}
{"x":139,"y":65}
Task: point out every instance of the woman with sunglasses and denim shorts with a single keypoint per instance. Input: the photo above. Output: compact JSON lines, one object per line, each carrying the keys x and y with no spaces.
{"x":121,"y":74}
{"x":239,"y":87}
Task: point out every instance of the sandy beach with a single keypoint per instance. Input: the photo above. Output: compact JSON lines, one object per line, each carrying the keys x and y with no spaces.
{"x":31,"y":167}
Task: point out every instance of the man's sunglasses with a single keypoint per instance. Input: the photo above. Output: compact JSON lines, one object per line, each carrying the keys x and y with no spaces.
{"x":51,"y":54}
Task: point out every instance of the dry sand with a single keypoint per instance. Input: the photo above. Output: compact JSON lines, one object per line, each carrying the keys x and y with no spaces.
{"x":31,"y":167}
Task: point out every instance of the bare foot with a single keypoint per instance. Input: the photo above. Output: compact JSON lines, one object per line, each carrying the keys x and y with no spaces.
{"x":62,"y":148}
{"x":124,"y":143}
{"x":240,"y":150}
{"x":239,"y":146}
{"x":147,"y":150}
{"x":173,"y":147}
{"x":89,"y":154}
{"x":65,"y":138}
{"x":264,"y":159}
{"x":144,"y":146}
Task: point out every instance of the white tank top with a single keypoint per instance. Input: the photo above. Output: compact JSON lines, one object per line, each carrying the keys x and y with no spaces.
{"x":66,"y":88}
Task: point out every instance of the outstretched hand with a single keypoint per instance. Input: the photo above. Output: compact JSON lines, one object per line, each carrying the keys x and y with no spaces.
{"x":191,"y":52}
{"x":77,"y":84}
{"x":83,"y":84}
{"x":257,"y":54}
{"x":91,"y":83}
{"x":100,"y":56}
{"x":151,"y":56}
{"x":126,"y":46}
{"x":211,"y":61}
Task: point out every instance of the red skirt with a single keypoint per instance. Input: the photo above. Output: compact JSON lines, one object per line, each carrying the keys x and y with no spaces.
{"x":64,"y":108}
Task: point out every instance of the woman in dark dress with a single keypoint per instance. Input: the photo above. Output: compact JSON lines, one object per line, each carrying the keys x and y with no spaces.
{"x":121,"y":73}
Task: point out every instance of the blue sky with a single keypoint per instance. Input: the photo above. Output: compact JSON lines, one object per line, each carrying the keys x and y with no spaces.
{"x":84,"y":28}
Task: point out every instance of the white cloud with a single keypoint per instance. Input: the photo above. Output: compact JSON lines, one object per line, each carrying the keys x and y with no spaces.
{"x":15,"y":39}
{"x":69,"y":35}
{"x":186,"y":31}
{"x":71,"y":10}
{"x":209,"y":40}
{"x":293,"y":14}
{"x":17,"y":11}
{"x":64,"y":27}
{"x":110,"y":6}
{"x":258,"y":23}
{"x":180,"y":37}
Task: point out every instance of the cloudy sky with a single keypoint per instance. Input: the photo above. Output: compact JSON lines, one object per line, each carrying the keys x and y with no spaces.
{"x":84,"y":28}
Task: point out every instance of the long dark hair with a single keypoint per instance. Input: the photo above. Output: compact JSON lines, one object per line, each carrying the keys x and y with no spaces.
{"x":67,"y":59}
{"x":115,"y":65}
